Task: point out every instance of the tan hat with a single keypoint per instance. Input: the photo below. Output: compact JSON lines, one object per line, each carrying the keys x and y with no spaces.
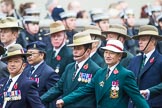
{"x":94,"y":31}
{"x":115,"y":46}
{"x":118,"y":29}
{"x":148,"y":30}
{"x":9,"y":22}
{"x":82,"y":38}
{"x":56,"y":27}
{"x":15,"y":50}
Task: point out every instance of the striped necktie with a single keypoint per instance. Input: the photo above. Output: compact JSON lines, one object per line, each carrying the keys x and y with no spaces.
{"x":74,"y":74}
{"x":143,"y":62}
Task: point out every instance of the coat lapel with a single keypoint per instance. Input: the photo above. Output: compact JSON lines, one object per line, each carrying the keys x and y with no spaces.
{"x":38,"y":71}
{"x":18,"y":82}
{"x":108,"y":82}
{"x":82,"y":70}
{"x":149,"y":63}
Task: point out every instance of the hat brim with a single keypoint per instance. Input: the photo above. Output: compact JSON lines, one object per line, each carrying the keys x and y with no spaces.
{"x":110,"y":49}
{"x":136,"y":37}
{"x":100,"y":36}
{"x":11,"y":27}
{"x":7,"y":57}
{"x":82,"y":43}
{"x":53,"y":32}
{"x":126,"y":36}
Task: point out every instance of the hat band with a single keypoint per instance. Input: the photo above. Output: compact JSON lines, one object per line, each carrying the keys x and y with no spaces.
{"x":114,"y":46}
{"x":148,"y":33}
{"x":21,"y":51}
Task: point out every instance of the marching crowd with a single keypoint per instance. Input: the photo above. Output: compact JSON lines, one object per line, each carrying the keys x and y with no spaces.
{"x":95,"y":65}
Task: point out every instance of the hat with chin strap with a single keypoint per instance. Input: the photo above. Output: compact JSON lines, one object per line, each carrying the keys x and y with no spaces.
{"x":115,"y":46}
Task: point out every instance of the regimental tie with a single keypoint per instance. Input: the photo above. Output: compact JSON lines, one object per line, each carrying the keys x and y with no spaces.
{"x":7,"y":85}
{"x":53,"y":54}
{"x":143,"y":62}
{"x":31,"y":71}
{"x":107,"y":74}
{"x":74,"y":74}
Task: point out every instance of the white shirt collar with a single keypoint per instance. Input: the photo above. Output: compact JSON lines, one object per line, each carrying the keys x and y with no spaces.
{"x":112,"y":68}
{"x":37,"y":65}
{"x":81,"y":64}
{"x":58,"y":50}
{"x":148,"y":55}
{"x":10,"y":45}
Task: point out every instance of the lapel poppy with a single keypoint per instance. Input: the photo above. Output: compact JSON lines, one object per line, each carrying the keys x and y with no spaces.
{"x":15,"y":86}
{"x":115,"y":71}
{"x":152,"y":60}
{"x":58,"y":58}
{"x":85,"y":66}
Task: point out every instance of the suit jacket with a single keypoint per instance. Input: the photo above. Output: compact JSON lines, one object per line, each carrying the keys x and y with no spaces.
{"x":150,"y":77}
{"x":98,"y":60}
{"x":65,"y":57}
{"x":125,"y":61}
{"x":29,"y":94}
{"x":3,"y":70}
{"x":66,"y":85}
{"x":106,"y":95}
{"x":45,"y":77}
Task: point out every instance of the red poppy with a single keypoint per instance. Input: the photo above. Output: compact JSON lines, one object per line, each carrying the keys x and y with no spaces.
{"x":58,"y":58}
{"x":115,"y":71}
{"x":152,"y":60}
{"x":85,"y":67}
{"x":15,"y":86}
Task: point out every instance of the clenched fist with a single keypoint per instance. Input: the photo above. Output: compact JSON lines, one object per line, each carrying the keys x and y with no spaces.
{"x":59,"y":103}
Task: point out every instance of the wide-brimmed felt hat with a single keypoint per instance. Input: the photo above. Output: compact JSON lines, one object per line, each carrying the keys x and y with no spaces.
{"x":118,"y":29}
{"x":9,"y":22}
{"x":55,"y":27}
{"x":15,"y":50}
{"x":2,"y":50}
{"x":94,"y":31}
{"x":82,"y":38}
{"x":148,"y":30}
{"x":115,"y":46}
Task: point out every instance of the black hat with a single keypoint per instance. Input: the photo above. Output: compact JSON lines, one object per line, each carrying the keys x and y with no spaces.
{"x":37,"y":45}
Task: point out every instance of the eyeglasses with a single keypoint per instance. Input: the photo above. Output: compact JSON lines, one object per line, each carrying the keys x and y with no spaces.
{"x":33,"y":53}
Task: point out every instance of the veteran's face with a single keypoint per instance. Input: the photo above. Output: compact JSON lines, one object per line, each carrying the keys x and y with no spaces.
{"x":57,"y":39}
{"x":15,"y":65}
{"x":80,"y":53}
{"x":103,"y":25}
{"x":7,"y":36}
{"x":111,"y":58}
{"x":35,"y":58}
{"x":143,"y":41}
